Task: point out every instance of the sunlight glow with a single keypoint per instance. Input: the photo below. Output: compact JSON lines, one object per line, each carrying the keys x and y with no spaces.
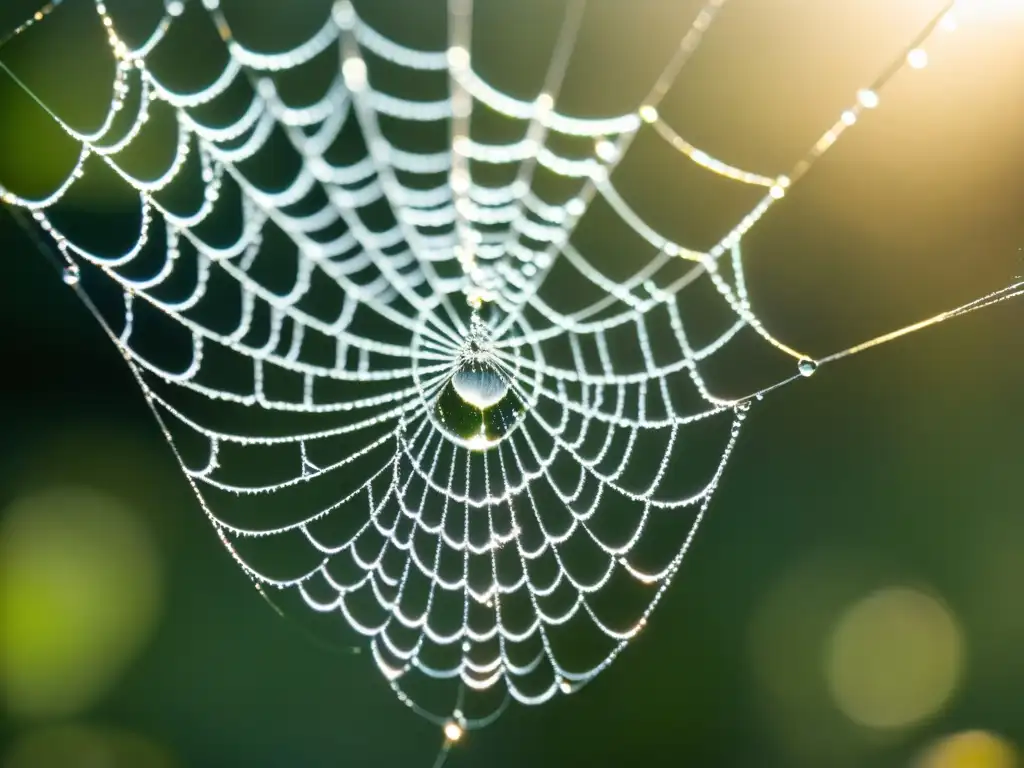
{"x":967,"y":11}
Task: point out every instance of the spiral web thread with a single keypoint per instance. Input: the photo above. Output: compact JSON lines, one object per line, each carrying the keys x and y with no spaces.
{"x":490,"y":561}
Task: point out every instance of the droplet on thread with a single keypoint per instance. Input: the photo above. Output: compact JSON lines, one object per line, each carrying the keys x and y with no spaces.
{"x":71,"y":274}
{"x":606,"y":150}
{"x":452,"y":731}
{"x":477,"y":408}
{"x":917,"y":58}
{"x":868,"y":99}
{"x":807,"y":367}
{"x":480,"y":387}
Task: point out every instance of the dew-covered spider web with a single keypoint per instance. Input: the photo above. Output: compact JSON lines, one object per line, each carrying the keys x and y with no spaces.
{"x":403,"y":389}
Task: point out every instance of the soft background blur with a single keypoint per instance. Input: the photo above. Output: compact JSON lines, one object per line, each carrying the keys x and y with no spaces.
{"x":854,"y":597}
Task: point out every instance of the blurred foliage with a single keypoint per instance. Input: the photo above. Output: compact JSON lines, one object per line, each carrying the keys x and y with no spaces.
{"x":85,"y":747}
{"x":79,"y":590}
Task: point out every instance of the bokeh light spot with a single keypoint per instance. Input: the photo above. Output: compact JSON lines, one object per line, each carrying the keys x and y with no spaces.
{"x":970,"y":749}
{"x":894,"y":658}
{"x":79,"y":593}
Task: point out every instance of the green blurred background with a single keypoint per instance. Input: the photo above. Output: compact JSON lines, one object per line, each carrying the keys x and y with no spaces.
{"x":853,"y":598}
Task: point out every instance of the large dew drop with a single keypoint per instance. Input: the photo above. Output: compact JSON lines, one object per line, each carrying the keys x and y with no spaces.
{"x":477,"y":408}
{"x":807,"y":367}
{"x":480,"y":387}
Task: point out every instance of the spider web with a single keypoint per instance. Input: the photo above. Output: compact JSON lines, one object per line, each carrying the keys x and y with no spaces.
{"x":349,"y":314}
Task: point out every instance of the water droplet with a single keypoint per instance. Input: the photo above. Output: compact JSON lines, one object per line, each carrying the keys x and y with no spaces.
{"x":452,"y":731}
{"x":868,"y":98}
{"x":648,"y":113}
{"x":71,"y":274}
{"x":807,"y":367}
{"x":477,"y":408}
{"x":606,"y":150}
{"x":480,"y":386}
{"x":575,"y":207}
{"x":917,"y":58}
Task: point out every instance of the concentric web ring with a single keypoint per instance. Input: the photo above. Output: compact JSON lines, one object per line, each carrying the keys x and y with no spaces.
{"x":402,"y":393}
